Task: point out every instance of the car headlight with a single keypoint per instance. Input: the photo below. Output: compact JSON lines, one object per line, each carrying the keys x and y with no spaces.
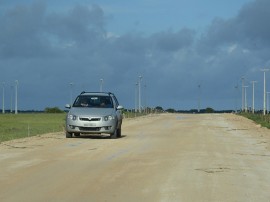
{"x":72,"y":117}
{"x":108,"y":118}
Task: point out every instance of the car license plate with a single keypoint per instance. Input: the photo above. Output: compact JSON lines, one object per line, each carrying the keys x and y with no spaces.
{"x":89,"y":124}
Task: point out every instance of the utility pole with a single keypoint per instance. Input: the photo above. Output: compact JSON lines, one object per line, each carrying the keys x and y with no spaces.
{"x":236,"y":93}
{"x":101,"y":85}
{"x":145,"y":101}
{"x":253,"y":95}
{"x":264,"y":90}
{"x":71,"y":92}
{"x":3,"y":107}
{"x":243,"y":99}
{"x":136,"y":94}
{"x":245,"y":89}
{"x":11,"y":96}
{"x":140,"y":107}
{"x":199,"y":98}
{"x":16,"y":96}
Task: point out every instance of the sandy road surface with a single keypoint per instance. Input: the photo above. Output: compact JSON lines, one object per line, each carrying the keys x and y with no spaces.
{"x":165,"y":157}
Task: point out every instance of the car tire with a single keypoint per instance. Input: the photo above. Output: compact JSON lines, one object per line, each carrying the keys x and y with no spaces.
{"x":68,"y":135}
{"x":119,"y":132}
{"x":114,"y":134}
{"x":77,"y":134}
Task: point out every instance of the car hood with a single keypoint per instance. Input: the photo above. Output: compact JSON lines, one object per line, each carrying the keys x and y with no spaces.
{"x":85,"y":111}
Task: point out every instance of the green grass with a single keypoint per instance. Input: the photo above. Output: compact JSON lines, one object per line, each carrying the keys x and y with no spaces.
{"x":30,"y":124}
{"x":264,"y":120}
{"x":25,"y":125}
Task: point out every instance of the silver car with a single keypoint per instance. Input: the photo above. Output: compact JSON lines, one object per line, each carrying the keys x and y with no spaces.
{"x":94,"y":113}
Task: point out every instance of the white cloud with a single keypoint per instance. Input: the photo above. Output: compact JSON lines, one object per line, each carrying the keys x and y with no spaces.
{"x":232,"y":48}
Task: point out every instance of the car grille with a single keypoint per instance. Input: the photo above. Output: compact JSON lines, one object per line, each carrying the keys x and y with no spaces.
{"x":89,"y":128}
{"x":89,"y":119}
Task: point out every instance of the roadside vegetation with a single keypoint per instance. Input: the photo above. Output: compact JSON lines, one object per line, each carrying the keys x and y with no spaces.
{"x":32,"y":123}
{"x":263,"y":120}
{"x":29,"y":124}
{"x":144,"y":112}
{"x":51,"y":120}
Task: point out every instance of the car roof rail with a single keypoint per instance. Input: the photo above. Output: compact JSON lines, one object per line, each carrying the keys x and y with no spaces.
{"x":83,"y":92}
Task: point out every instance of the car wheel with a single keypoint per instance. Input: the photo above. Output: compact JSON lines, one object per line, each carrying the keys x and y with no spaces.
{"x":119,"y":132}
{"x":114,"y":134}
{"x":68,"y":135}
{"x":77,"y":134}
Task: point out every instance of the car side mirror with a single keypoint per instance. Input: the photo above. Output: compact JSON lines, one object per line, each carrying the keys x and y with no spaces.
{"x":120,"y":107}
{"x":67,"y":106}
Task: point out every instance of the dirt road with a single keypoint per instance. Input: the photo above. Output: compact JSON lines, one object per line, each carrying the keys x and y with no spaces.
{"x":168,"y":157}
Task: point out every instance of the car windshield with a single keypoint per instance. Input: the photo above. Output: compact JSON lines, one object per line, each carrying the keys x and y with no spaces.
{"x":93,"y":101}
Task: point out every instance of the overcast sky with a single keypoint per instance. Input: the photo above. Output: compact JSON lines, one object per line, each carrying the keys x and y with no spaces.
{"x":175,"y":45}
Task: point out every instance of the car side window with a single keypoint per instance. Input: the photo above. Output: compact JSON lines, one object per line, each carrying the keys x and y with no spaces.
{"x":116,"y":101}
{"x":77,"y":102}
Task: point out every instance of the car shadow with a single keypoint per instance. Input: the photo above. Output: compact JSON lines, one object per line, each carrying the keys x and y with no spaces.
{"x":87,"y":136}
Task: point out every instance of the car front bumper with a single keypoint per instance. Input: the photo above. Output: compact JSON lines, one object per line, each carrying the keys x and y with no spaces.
{"x":93,"y":127}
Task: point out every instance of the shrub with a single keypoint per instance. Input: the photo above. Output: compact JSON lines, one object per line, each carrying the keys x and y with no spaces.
{"x":53,"y":110}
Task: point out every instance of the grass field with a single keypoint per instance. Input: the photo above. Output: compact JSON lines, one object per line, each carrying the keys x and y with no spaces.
{"x":30,"y":124}
{"x":25,"y":125}
{"x":264,"y":120}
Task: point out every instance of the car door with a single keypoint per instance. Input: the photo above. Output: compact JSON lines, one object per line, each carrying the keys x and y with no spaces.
{"x":118,"y":112}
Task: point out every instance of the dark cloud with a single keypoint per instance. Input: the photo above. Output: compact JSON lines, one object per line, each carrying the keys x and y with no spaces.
{"x":249,"y":28}
{"x":46,"y":51}
{"x":80,"y":26}
{"x":21,"y":29}
{"x":29,"y":31}
{"x":238,"y":46}
{"x":170,"y":41}
{"x":253,"y":22}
